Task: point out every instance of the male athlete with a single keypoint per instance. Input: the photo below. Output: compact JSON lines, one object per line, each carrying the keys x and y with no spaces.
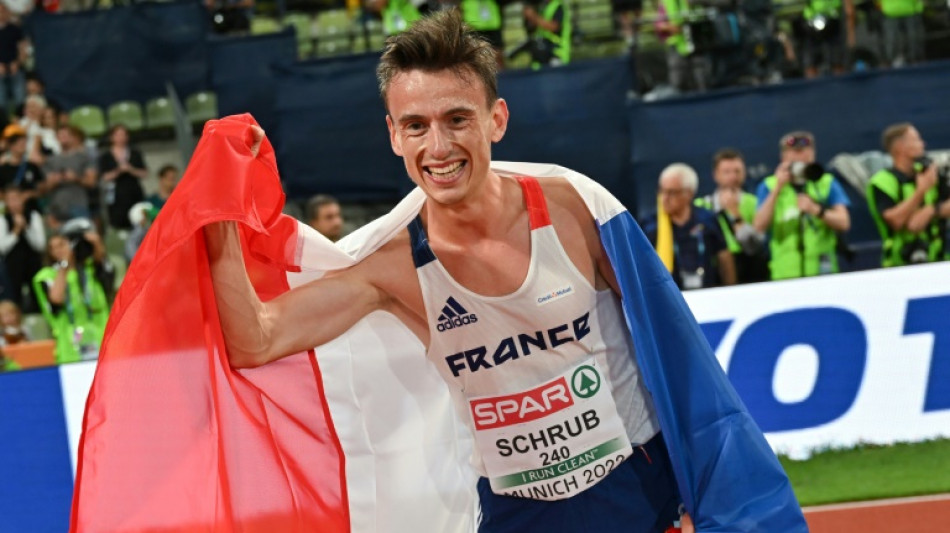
{"x":507,"y":285}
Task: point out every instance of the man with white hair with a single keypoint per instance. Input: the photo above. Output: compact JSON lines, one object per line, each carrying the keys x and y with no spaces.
{"x":700,"y":255}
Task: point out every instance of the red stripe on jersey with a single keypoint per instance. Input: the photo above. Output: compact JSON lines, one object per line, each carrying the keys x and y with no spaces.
{"x":534,"y":200}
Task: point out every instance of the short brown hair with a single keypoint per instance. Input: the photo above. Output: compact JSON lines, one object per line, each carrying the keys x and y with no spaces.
{"x":725,"y":153}
{"x":892,"y":133}
{"x":438,"y":42}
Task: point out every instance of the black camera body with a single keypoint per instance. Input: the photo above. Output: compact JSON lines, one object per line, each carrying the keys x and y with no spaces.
{"x":75,"y":232}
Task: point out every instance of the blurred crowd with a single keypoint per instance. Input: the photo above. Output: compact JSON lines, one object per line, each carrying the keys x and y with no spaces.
{"x":795,"y":223}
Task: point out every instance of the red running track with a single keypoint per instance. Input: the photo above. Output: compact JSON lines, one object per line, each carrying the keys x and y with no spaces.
{"x":901,"y":515}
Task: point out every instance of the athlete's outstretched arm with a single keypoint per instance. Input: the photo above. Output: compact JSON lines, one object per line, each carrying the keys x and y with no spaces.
{"x":257,"y":332}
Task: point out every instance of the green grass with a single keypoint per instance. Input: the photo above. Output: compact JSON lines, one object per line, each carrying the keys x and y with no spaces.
{"x":869,"y":472}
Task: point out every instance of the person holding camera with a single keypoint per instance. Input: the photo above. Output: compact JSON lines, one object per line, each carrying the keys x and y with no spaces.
{"x":71,"y":292}
{"x":803,"y":209}
{"x":908,"y":201}
{"x":735,"y":211}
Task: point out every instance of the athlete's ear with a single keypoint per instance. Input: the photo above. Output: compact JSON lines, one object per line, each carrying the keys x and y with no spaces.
{"x":499,"y":117}
{"x":394,"y":140}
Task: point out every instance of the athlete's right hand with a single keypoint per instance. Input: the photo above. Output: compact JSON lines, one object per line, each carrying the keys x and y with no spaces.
{"x":257,"y":138}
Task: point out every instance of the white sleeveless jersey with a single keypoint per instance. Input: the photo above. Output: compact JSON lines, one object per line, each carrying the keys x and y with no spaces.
{"x":545,"y":376}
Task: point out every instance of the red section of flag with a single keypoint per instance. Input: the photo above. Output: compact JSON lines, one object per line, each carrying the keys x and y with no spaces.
{"x":175,"y":440}
{"x":539,"y":402}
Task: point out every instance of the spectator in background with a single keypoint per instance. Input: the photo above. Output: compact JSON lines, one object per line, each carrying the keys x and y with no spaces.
{"x":802,"y":208}
{"x":12,"y":79}
{"x":325,"y":216}
{"x":143,"y":214}
{"x":908,"y":204}
{"x":735,"y":211}
{"x":13,"y":333}
{"x":484,"y":16}
{"x":700,"y":256}
{"x":903,"y":27}
{"x":121,"y":171}
{"x":826,"y":43}
{"x":72,"y":293}
{"x":397,"y":15}
{"x":22,"y":240}
{"x":687,"y":67}
{"x":36,"y":134}
{"x":16,"y":166}
{"x":72,"y":179}
{"x":627,"y":14}
{"x":550,"y":28}
{"x":11,"y":321}
{"x":168,"y":177}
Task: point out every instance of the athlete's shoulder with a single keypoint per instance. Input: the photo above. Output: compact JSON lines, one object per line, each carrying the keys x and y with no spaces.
{"x":564,"y":200}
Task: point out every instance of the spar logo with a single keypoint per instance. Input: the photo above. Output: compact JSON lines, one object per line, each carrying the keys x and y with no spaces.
{"x":586,"y":381}
{"x":525,"y":406}
{"x":454,"y":316}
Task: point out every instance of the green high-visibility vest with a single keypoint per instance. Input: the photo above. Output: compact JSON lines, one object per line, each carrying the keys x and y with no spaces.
{"x":790,"y":226}
{"x":894,"y":242}
{"x":81,"y":320}
{"x":901,"y":8}
{"x":398,"y":16}
{"x":481,"y":15}
{"x":676,"y":13}
{"x":8,"y":365}
{"x":562,"y":39}
{"x":747,"y":205}
{"x":825,"y":8}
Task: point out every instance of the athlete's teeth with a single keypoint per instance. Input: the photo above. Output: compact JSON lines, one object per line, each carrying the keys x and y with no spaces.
{"x":445,"y":171}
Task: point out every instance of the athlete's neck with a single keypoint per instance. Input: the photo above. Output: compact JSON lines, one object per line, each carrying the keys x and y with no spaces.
{"x":486,"y":211}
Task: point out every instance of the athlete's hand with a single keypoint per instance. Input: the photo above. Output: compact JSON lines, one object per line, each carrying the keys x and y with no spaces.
{"x":256,"y":139}
{"x":686,"y":524}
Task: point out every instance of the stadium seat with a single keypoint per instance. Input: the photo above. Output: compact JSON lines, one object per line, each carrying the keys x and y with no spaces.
{"x":261,"y":25}
{"x":374,"y":30}
{"x":127,"y":113}
{"x":159,"y":114}
{"x":303,"y":25}
{"x":90,"y":119}
{"x":334,"y":31}
{"x":513,"y":15}
{"x":201,"y":107}
{"x":36,"y":327}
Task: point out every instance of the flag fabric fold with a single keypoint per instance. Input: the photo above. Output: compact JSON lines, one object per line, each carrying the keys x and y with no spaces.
{"x":358,"y":435}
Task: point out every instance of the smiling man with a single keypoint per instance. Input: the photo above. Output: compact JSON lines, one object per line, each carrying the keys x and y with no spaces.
{"x":506,"y":283}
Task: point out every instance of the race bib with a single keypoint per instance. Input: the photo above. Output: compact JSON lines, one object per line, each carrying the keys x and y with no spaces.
{"x":553,"y":441}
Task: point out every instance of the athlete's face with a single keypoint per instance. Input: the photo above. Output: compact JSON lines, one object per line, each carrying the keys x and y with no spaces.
{"x":442,"y":126}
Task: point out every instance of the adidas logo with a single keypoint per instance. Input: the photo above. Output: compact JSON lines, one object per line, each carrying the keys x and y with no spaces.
{"x":454,"y":316}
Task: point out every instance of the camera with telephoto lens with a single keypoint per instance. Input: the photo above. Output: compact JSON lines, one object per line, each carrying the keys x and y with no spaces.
{"x":75,"y":231}
{"x":802,"y":173}
{"x":916,"y":252}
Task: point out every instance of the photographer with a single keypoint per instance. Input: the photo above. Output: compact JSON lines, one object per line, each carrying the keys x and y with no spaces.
{"x":735,"y":211}
{"x":550,"y":28}
{"x":802,"y":208}
{"x":909,"y":201}
{"x":72,"y":293}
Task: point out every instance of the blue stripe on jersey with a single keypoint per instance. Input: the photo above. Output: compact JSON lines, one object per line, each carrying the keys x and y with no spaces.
{"x":421,"y":253}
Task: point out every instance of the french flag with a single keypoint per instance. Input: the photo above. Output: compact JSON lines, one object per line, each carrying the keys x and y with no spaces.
{"x":359,"y":434}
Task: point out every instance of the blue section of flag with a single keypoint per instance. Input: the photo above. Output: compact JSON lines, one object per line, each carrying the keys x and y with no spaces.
{"x":728,"y":475}
{"x":36,"y":479}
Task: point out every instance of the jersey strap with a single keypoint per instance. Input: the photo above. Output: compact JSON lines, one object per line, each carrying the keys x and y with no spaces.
{"x":534,"y":200}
